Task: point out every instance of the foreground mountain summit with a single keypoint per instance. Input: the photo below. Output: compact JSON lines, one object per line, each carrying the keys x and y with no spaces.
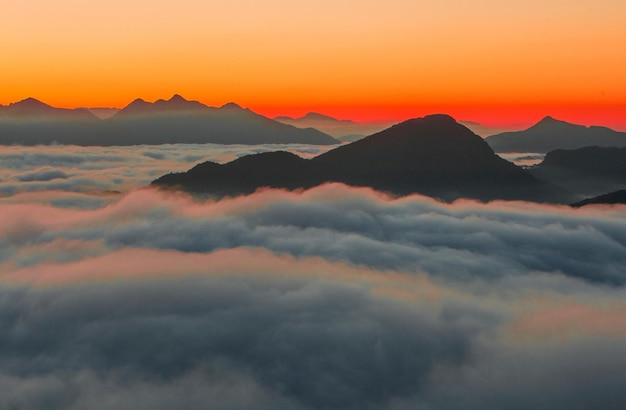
{"x":550,"y":134}
{"x":31,"y":122}
{"x":433,"y":155}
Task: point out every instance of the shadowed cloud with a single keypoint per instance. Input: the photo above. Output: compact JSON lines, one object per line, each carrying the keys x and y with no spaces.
{"x":257,"y":330}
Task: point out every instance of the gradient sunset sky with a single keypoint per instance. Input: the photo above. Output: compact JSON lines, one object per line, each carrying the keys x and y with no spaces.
{"x":496,"y":62}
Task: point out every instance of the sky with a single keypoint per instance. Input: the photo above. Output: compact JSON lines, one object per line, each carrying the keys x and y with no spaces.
{"x":499,"y":63}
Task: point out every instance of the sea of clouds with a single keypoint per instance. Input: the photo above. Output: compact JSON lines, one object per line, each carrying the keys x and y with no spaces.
{"x":117,"y":296}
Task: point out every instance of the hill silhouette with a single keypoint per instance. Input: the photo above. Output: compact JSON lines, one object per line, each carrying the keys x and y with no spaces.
{"x":433,"y":155}
{"x":550,"y":134}
{"x":588,"y":171}
{"x":176,"y":120}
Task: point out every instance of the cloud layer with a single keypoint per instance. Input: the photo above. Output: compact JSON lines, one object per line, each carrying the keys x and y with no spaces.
{"x":333,"y":298}
{"x":120,"y":169}
{"x":350,"y":225}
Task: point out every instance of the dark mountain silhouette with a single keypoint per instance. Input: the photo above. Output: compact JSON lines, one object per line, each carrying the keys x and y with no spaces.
{"x":550,"y":134}
{"x":232,"y":106}
{"x":433,"y":155}
{"x":344,"y":130}
{"x":617,"y":197}
{"x":176,"y":104}
{"x":176,"y":120}
{"x":32,"y":122}
{"x":137,"y":107}
{"x":313,"y":116}
{"x":321,"y":117}
{"x":588,"y":171}
{"x":481,"y":129}
{"x":32,"y":108}
{"x":180,"y":121}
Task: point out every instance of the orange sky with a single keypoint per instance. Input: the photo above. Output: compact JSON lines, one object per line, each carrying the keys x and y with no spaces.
{"x":498,"y":62}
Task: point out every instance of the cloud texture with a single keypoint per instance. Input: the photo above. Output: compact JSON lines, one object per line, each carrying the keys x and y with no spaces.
{"x":330,"y":298}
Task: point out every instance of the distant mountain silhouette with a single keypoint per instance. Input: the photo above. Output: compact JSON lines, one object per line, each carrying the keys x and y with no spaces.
{"x":550,"y":134}
{"x":481,"y":129}
{"x":32,"y":122}
{"x":344,"y":130}
{"x":176,"y":104}
{"x":231,"y":106}
{"x":314,"y":116}
{"x":32,"y":108}
{"x":433,"y":155}
{"x":616,"y":197}
{"x":176,"y":120}
{"x":588,"y":171}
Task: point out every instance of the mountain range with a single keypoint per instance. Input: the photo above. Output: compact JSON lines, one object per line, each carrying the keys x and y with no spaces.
{"x":177,"y":120}
{"x":433,"y":155}
{"x":550,"y":134}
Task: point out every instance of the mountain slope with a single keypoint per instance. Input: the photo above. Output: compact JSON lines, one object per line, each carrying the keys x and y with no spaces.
{"x":433,"y":155}
{"x":550,"y":134}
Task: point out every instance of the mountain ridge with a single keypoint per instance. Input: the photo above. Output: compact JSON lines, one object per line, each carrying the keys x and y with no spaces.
{"x":550,"y":134}
{"x":176,"y":120}
{"x":344,"y":130}
{"x":33,"y":108}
